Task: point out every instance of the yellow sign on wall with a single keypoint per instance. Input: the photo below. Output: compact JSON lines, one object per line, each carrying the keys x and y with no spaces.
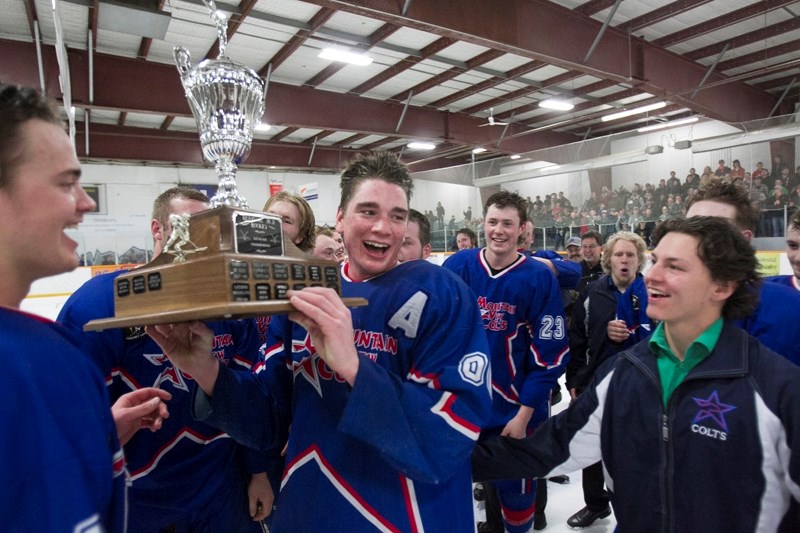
{"x":769,"y":263}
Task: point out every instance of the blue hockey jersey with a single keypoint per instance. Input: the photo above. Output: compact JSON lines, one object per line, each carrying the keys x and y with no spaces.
{"x":181,"y":472}
{"x":524,"y":322}
{"x":775,"y":321}
{"x":789,"y":280}
{"x":62,"y":468}
{"x":391,"y":453}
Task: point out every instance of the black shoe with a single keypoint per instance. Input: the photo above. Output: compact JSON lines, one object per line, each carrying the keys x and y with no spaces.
{"x":555,"y":397}
{"x":586,"y":517}
{"x":478,"y":492}
{"x":539,"y":521}
{"x":561,"y":480}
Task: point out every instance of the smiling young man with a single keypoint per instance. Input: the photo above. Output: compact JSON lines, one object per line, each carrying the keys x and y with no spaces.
{"x":523,"y":317}
{"x":696,"y":426}
{"x":62,"y":468}
{"x":386,"y":400}
{"x":792,"y":254}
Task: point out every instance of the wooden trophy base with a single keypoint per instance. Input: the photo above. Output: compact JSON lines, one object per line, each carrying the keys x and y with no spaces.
{"x":219,"y":283}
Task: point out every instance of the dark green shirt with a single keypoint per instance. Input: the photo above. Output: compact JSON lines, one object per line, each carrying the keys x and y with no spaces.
{"x":672,"y":370}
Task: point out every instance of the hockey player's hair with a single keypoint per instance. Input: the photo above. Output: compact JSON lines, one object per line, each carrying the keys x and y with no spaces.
{"x":323,"y":230}
{"x":424,"y":226}
{"x":727,"y":255}
{"x":505,"y":199}
{"x":732,"y":194}
{"x":17,"y":106}
{"x":471,"y":234}
{"x":608,"y":249}
{"x":162,"y":204}
{"x":307,"y":220}
{"x":374,"y":165}
{"x":794,"y":222}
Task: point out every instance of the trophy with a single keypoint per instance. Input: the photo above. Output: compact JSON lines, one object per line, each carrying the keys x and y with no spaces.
{"x":228,"y":261}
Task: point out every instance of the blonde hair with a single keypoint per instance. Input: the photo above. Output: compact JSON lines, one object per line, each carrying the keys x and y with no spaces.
{"x":307,"y":221}
{"x":608,"y":249}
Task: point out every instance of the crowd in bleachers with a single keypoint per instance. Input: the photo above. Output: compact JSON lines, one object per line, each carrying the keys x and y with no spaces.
{"x":639,"y":208}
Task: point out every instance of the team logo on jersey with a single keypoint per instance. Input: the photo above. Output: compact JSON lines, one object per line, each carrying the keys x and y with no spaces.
{"x":713,"y":409}
{"x":374,"y":340}
{"x":310,"y":366}
{"x":133,"y":333}
{"x":170,"y":374}
{"x":493,"y":313}
{"x":472,"y":368}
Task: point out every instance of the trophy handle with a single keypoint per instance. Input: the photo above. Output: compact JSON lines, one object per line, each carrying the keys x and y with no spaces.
{"x":183,"y":60}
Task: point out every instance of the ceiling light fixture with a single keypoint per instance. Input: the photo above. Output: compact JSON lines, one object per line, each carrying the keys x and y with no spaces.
{"x":478,"y":150}
{"x":262,"y":126}
{"x":670,"y":124}
{"x":556,"y":104}
{"x":419,"y":145}
{"x":347,"y":56}
{"x":515,"y":156}
{"x":635,"y":111}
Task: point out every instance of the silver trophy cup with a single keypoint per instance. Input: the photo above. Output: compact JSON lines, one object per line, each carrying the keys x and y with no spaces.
{"x":227,"y":101}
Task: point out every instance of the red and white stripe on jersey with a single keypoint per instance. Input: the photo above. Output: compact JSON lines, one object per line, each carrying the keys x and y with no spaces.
{"x":430,"y":380}
{"x":313,"y":454}
{"x":444,"y":408}
{"x":185,"y":433}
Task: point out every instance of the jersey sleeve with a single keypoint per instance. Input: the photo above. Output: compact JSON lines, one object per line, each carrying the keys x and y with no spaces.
{"x":253,"y":407}
{"x":426,"y":422}
{"x":568,"y":273}
{"x":549,"y":349}
{"x":94,"y":300}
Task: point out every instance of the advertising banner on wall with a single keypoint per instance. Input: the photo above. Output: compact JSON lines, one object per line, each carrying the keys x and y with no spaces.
{"x":275,"y":185}
{"x":309,"y":191}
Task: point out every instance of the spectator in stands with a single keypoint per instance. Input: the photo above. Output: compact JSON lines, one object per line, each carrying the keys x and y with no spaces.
{"x":466,"y":238}
{"x":297,"y":217}
{"x":777,"y":203}
{"x":707,"y":174}
{"x":565,"y":203}
{"x":792,"y":253}
{"x":440,"y":214}
{"x":787,"y":179}
{"x":692,"y":180}
{"x":673,"y":183}
{"x":760,"y":172}
{"x":737,"y":171}
{"x":722,"y":169}
{"x":660,"y":193}
{"x":794,"y":197}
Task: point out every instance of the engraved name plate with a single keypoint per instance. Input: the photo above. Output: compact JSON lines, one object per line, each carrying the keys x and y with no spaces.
{"x":257,"y":234}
